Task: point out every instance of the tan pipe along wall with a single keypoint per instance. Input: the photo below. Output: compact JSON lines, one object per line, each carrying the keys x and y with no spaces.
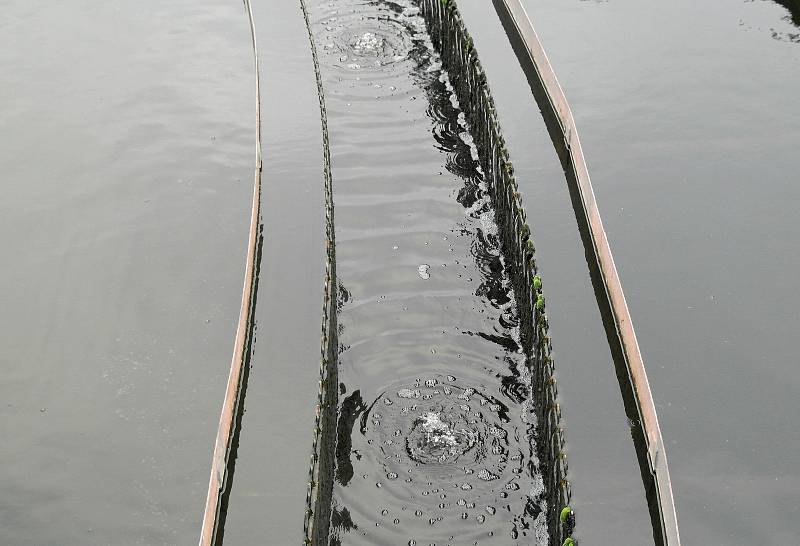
{"x":608,"y":287}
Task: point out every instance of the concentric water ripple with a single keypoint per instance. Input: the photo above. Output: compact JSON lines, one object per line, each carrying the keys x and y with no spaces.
{"x":446,"y":460}
{"x":370,"y":43}
{"x":441,"y":427}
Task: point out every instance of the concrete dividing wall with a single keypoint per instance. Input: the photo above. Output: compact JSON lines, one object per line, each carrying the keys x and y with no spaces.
{"x":268,"y":496}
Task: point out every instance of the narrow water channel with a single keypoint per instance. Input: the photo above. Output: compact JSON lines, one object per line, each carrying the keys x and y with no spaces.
{"x":434,"y":435}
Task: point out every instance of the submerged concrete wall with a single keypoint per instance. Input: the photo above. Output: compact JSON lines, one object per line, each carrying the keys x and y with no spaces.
{"x":321,"y":471}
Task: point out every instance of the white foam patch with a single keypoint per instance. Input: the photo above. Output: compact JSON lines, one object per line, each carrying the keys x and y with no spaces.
{"x":368,"y":43}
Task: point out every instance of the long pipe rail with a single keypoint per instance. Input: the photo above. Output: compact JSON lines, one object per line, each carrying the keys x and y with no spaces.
{"x":231,"y":407}
{"x":608,"y":288}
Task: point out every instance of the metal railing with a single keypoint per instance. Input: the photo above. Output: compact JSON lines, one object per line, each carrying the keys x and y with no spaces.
{"x":221,"y":470}
{"x":608,"y":288}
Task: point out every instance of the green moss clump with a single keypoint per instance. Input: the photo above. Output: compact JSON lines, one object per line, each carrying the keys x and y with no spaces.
{"x":569,"y":542}
{"x":537,"y":284}
{"x":539,"y":302}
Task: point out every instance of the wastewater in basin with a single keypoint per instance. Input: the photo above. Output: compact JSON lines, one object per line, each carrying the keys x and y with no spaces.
{"x":435,"y":428}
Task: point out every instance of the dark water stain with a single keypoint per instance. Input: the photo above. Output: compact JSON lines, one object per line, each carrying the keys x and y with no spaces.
{"x":351,"y":409}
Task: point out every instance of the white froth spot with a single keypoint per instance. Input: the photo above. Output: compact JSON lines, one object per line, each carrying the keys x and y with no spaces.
{"x":367,"y":43}
{"x":424,"y":271}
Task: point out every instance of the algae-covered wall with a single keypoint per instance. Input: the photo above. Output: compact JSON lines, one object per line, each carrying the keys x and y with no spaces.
{"x":321,"y":471}
{"x":460,"y":59}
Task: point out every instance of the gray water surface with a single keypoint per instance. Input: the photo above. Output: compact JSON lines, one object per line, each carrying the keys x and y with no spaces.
{"x":127,"y":160}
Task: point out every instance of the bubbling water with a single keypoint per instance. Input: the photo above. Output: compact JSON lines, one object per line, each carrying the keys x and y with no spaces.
{"x":378,"y":43}
{"x":444,"y":425}
{"x":367,"y":43}
{"x":437,"y":438}
{"x":448,"y":440}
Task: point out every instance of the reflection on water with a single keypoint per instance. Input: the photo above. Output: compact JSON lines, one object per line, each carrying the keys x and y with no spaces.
{"x":783,"y":28}
{"x":794,"y":10}
{"x":791,"y":22}
{"x":434,"y":435}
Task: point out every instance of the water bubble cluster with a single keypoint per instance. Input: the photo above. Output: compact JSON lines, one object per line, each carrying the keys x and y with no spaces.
{"x":451,"y":443}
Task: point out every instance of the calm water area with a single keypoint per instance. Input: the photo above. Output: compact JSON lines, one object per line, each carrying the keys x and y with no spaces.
{"x":127,"y":160}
